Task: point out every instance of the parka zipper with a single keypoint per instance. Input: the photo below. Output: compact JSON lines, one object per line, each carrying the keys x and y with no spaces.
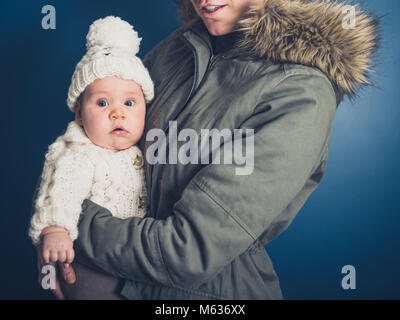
{"x":211,"y":63}
{"x":213,"y":59}
{"x":174,"y":116}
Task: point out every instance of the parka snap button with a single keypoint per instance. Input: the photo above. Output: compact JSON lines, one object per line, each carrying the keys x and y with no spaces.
{"x":138,"y":162}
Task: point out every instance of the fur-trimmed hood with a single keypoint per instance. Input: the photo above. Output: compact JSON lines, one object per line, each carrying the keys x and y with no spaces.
{"x":309,"y":33}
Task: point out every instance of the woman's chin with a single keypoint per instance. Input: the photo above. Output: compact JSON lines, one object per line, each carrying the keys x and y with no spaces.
{"x":219,"y":29}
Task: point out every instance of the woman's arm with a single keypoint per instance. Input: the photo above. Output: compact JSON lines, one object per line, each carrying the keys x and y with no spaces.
{"x":221,"y":214}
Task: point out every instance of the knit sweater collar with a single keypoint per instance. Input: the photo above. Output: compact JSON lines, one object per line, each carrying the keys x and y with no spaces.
{"x":76,"y":134}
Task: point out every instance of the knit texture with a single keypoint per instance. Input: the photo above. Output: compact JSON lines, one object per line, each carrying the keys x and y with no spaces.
{"x":112,"y":47}
{"x":74,"y":170}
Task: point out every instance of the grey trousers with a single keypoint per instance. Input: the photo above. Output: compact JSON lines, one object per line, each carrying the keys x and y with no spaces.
{"x":91,"y":285}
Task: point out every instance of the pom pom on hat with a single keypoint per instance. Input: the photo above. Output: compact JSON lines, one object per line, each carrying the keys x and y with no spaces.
{"x":112,"y":32}
{"x":112,"y":45}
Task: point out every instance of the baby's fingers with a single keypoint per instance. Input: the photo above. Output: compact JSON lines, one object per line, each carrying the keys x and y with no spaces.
{"x":53,"y":256}
{"x":70,"y":255}
{"x":46,"y":256}
{"x":62,"y":255}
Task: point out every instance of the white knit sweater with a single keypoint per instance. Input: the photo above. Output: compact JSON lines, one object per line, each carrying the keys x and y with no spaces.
{"x":75,"y":169}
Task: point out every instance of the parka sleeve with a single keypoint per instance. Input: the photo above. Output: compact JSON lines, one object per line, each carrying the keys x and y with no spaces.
{"x":221,"y":214}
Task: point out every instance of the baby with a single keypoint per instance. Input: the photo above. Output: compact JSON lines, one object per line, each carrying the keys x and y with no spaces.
{"x":97,"y":157}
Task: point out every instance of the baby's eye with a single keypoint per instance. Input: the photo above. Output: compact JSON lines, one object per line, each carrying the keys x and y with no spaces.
{"x":130,"y":103}
{"x":102,"y":103}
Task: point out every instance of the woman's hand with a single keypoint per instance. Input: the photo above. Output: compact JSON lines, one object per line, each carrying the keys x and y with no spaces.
{"x":67,"y":272}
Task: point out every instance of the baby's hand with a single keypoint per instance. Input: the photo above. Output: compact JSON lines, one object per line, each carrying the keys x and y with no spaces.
{"x":57,"y":245}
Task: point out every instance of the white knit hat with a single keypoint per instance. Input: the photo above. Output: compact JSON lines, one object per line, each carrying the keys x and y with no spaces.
{"x":112,"y":45}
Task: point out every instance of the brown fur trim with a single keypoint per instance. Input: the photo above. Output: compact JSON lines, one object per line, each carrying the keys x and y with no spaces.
{"x":312,"y":34}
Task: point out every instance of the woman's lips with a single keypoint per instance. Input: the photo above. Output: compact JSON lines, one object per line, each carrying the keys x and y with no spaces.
{"x":208,"y":14}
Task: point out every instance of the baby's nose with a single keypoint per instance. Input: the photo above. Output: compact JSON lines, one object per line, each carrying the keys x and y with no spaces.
{"x":117,"y":113}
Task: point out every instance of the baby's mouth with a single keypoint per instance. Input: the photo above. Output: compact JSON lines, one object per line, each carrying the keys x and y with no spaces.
{"x":119,"y":130}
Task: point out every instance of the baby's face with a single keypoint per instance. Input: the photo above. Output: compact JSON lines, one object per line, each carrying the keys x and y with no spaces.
{"x":112,"y":113}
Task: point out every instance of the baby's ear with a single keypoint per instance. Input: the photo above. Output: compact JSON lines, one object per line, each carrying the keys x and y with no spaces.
{"x":78,"y":118}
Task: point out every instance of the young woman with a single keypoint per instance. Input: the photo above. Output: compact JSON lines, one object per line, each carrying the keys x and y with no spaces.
{"x":278,"y":68}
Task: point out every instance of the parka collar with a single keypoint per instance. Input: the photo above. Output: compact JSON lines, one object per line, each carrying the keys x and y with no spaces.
{"x":313,"y":33}
{"x":223,"y":44}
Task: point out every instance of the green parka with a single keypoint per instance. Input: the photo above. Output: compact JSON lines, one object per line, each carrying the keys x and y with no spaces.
{"x":206,"y":227}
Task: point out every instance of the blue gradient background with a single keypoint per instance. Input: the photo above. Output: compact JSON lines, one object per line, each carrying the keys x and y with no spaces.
{"x":352,"y":218}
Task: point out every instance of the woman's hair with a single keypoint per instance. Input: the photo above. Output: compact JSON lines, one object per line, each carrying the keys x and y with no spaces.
{"x":186,"y":12}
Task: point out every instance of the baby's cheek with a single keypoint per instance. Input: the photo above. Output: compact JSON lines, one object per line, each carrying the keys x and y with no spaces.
{"x":140,"y":128}
{"x":138,"y":123}
{"x":95,"y":134}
